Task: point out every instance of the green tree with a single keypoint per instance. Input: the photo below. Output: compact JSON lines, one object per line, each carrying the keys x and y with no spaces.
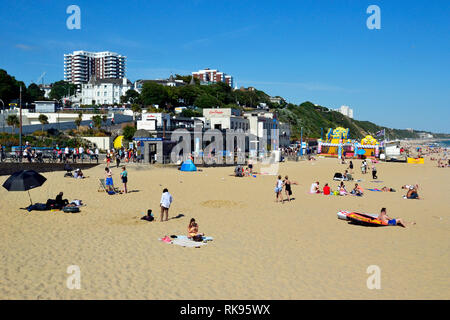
{"x":131,"y":96}
{"x":128,"y":132}
{"x":62,"y":89}
{"x":43,"y":119}
{"x":13,"y":121}
{"x":97,"y":120}
{"x":190,"y":113}
{"x":136,"y":110}
{"x":78,"y":120}
{"x":154,"y":93}
{"x":207,"y":101}
{"x":188,"y":94}
{"x":35,"y":93}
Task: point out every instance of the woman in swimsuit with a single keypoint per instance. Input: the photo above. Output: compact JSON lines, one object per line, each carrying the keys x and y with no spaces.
{"x":193,"y":229}
{"x":287,"y":188}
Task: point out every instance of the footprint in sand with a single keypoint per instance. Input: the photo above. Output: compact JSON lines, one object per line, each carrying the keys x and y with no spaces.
{"x":221,"y":204}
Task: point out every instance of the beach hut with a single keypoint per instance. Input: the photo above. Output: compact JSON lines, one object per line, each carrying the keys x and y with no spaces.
{"x":188,"y":165}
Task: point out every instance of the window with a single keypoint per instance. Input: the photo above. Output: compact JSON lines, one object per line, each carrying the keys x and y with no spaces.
{"x":104,"y":93}
{"x":98,"y":93}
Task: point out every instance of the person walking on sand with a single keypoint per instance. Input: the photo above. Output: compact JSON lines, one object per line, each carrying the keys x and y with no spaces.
{"x":287,"y":188}
{"x":392,"y":222}
{"x":351,"y":166}
{"x":279,"y":189}
{"x":166,"y":201}
{"x":117,"y":159}
{"x":374,"y":172}
{"x":124,"y":176}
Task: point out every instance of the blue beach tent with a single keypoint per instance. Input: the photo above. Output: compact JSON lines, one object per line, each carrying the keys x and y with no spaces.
{"x":188,"y":165}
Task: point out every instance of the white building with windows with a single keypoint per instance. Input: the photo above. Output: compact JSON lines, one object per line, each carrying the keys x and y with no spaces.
{"x":81,"y":66}
{"x":103,"y":91}
{"x":346,"y":111}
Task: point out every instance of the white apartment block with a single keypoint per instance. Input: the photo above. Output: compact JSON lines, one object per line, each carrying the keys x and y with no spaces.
{"x":81,"y":66}
{"x":103,"y":91}
{"x":346,"y":111}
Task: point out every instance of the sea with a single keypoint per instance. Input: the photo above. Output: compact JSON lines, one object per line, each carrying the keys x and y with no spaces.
{"x":444,"y":143}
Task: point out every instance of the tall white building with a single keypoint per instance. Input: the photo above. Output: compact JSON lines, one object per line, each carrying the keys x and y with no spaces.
{"x":81,"y":66}
{"x":346,"y":111}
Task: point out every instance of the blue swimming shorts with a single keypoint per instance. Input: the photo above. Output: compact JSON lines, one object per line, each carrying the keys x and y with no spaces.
{"x":392,"y":222}
{"x":109,"y":181}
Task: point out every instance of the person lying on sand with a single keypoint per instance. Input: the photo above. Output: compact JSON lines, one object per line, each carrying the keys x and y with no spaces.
{"x":193,"y":229}
{"x":386,"y":189}
{"x":392,"y":222}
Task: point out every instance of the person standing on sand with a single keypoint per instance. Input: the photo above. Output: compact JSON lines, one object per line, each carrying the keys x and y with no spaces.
{"x":279,"y":189}
{"x":392,"y":222}
{"x":109,"y":180}
{"x":287,"y":188}
{"x":166,"y":201}
{"x":124,"y":176}
{"x":374,"y":172}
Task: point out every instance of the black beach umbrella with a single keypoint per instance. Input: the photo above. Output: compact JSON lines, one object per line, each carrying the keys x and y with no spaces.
{"x":23,"y":181}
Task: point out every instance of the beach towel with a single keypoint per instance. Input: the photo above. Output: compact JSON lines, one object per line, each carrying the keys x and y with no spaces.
{"x":374,"y":189}
{"x":376,"y":181}
{"x":184,"y":241}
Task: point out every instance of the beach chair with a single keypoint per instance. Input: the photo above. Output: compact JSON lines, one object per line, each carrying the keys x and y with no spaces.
{"x":102,"y":185}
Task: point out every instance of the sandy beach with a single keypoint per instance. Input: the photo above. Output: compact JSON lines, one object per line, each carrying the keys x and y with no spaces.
{"x":261,"y":249}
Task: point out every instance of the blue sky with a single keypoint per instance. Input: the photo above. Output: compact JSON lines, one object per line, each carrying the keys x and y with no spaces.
{"x":315,"y":50}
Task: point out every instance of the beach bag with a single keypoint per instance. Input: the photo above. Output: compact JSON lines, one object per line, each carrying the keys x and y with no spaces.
{"x":71,"y":209}
{"x":197,"y":238}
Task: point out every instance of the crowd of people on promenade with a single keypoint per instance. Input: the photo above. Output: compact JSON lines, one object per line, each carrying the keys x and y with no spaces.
{"x":121,"y":155}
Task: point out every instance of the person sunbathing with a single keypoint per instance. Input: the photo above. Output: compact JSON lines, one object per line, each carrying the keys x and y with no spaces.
{"x":386,"y":189}
{"x":193,"y":229}
{"x":391,"y":222}
{"x":412,"y":193}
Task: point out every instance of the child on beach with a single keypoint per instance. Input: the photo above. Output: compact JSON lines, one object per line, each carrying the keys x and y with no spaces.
{"x":109,"y":180}
{"x":278,"y":189}
{"x":124,"y":176}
